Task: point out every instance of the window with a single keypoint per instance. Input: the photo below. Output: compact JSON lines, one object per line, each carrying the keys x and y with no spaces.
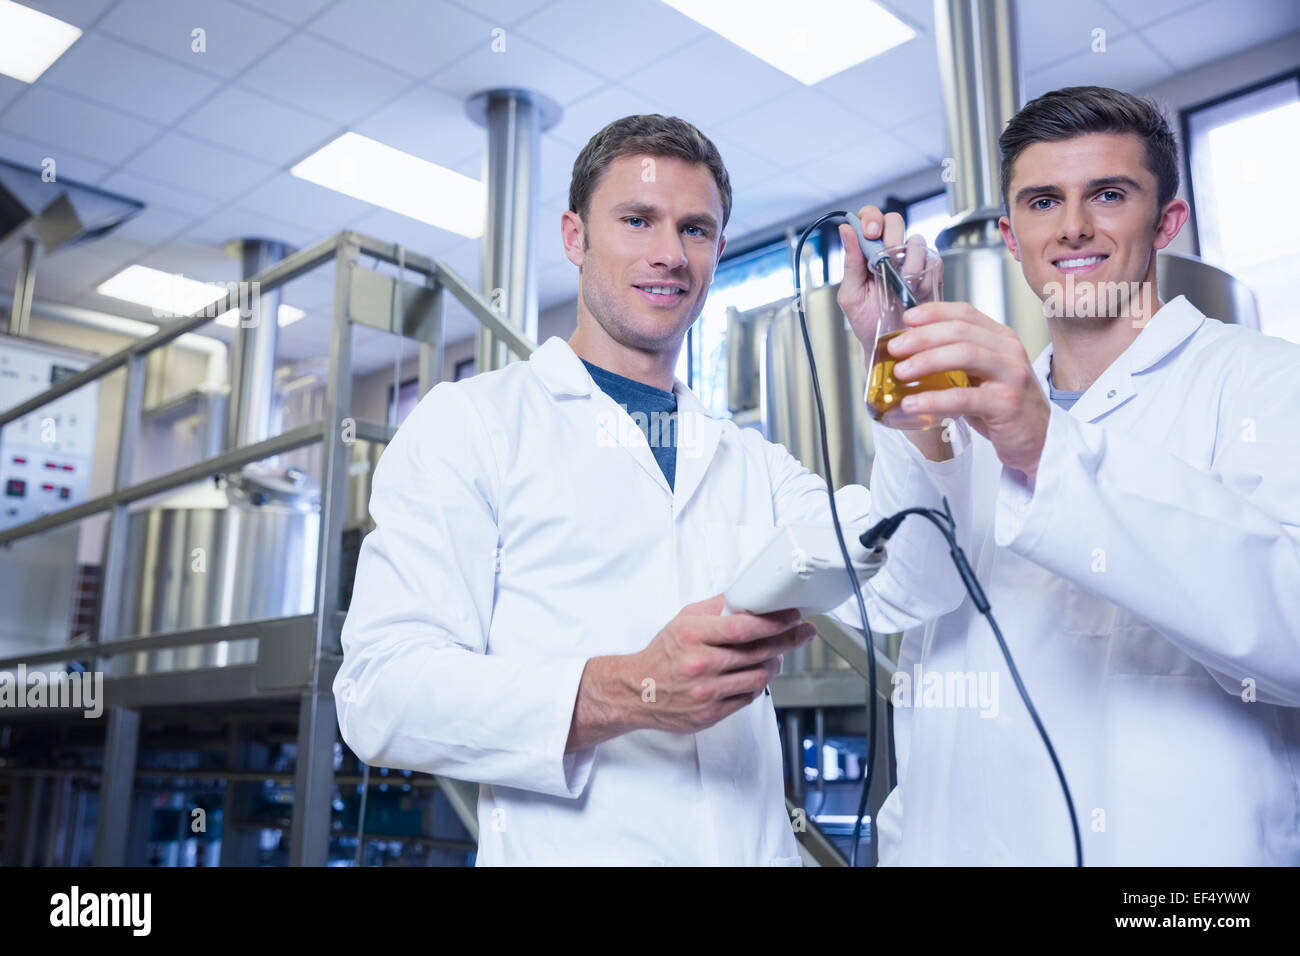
{"x":928,"y":216}
{"x":744,"y":281}
{"x":1241,"y":154}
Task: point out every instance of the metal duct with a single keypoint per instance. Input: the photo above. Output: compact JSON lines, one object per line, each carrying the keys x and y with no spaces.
{"x":252,"y":382}
{"x":515,"y":120}
{"x":980,"y":69}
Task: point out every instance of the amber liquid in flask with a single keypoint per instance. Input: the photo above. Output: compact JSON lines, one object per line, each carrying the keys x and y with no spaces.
{"x":885,"y":393}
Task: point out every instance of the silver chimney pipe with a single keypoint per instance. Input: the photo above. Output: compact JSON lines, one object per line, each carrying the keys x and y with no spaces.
{"x":979,"y":67}
{"x":515,"y":120}
{"x":252,"y":367}
{"x":980,"y":70}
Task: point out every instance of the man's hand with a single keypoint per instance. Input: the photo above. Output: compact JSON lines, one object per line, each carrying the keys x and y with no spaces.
{"x":857,"y":293}
{"x":703,"y":666}
{"x":1007,"y":406}
{"x":706,"y":667}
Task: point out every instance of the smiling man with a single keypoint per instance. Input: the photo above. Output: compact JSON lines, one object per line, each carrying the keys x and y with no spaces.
{"x":539,"y":607}
{"x":1131,"y":501}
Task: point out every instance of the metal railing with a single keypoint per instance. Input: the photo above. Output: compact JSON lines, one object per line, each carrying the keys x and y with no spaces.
{"x":296,"y":655}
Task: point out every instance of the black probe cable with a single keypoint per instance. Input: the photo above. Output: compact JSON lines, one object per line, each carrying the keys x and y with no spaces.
{"x":943,"y":520}
{"x":882,"y":532}
{"x":839,"y":535}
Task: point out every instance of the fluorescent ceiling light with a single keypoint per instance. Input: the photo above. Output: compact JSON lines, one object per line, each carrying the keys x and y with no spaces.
{"x":172,"y":294}
{"x":383,"y":176}
{"x":166,"y":293}
{"x":287,"y":315}
{"x":30,"y":41}
{"x":810,"y":40}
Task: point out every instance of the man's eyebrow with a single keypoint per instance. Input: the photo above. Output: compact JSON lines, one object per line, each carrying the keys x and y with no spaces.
{"x":1128,"y":181}
{"x":647,"y":211}
{"x":1102,"y":183}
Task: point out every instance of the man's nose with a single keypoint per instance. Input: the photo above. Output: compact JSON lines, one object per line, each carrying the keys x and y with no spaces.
{"x":667,"y":251}
{"x":1076,"y":224}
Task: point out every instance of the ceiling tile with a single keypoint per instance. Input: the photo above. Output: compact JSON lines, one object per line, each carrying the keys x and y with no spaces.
{"x":629,"y":39}
{"x":71,"y":122}
{"x":1050,"y":32}
{"x":67,"y":165}
{"x":10,"y":90}
{"x":418,"y":37}
{"x":892,"y":88}
{"x":324,"y":79}
{"x":71,"y":271}
{"x":780,"y":198}
{"x":556,"y":170}
{"x":152,"y":225}
{"x":1220,"y":28}
{"x":867,"y":163}
{"x":314,"y":207}
{"x":1128,"y":64}
{"x":291,"y":11}
{"x":428,"y":124}
{"x":1149,"y":11}
{"x":522,"y":63}
{"x":926,"y":135}
{"x":188,"y":164}
{"x":687,"y":83}
{"x":502,"y":12}
{"x":158,"y":194}
{"x":234,"y":36}
{"x":793,"y":128}
{"x":918,"y":14}
{"x":550,"y":243}
{"x":80,"y":13}
{"x":200,"y":259}
{"x":744,"y":168}
{"x":233,"y":222}
{"x":128,"y":79}
{"x":388,"y":226}
{"x":251,"y":124}
{"x":589,"y":115}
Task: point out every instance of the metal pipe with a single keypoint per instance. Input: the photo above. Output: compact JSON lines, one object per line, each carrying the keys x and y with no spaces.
{"x":514,"y":120}
{"x":980,"y":71}
{"x":20,"y":309}
{"x":252,"y":371}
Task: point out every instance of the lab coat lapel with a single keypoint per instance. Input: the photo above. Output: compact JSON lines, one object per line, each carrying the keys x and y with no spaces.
{"x":698,"y":434}
{"x":1164,"y":332}
{"x":563,"y":373}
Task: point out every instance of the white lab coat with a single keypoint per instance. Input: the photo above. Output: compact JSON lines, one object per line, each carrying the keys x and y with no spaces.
{"x":1147,"y":580}
{"x":523,"y":527}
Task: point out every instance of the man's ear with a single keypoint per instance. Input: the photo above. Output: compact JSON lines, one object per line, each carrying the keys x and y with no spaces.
{"x":573,"y":232}
{"x":1008,"y":236}
{"x":1171,"y":222}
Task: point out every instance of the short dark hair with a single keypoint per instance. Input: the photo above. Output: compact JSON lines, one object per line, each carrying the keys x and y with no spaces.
{"x":1076,"y":110}
{"x":649,"y":134}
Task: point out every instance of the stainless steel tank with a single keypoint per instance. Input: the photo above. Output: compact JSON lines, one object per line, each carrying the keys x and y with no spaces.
{"x":1216,"y":293}
{"x":211,"y":555}
{"x":789,"y":409}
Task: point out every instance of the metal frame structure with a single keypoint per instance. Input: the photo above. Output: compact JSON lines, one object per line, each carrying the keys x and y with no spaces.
{"x":297,"y":656}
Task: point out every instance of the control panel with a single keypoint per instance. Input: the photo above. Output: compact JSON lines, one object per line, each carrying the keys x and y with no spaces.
{"x":45,"y":456}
